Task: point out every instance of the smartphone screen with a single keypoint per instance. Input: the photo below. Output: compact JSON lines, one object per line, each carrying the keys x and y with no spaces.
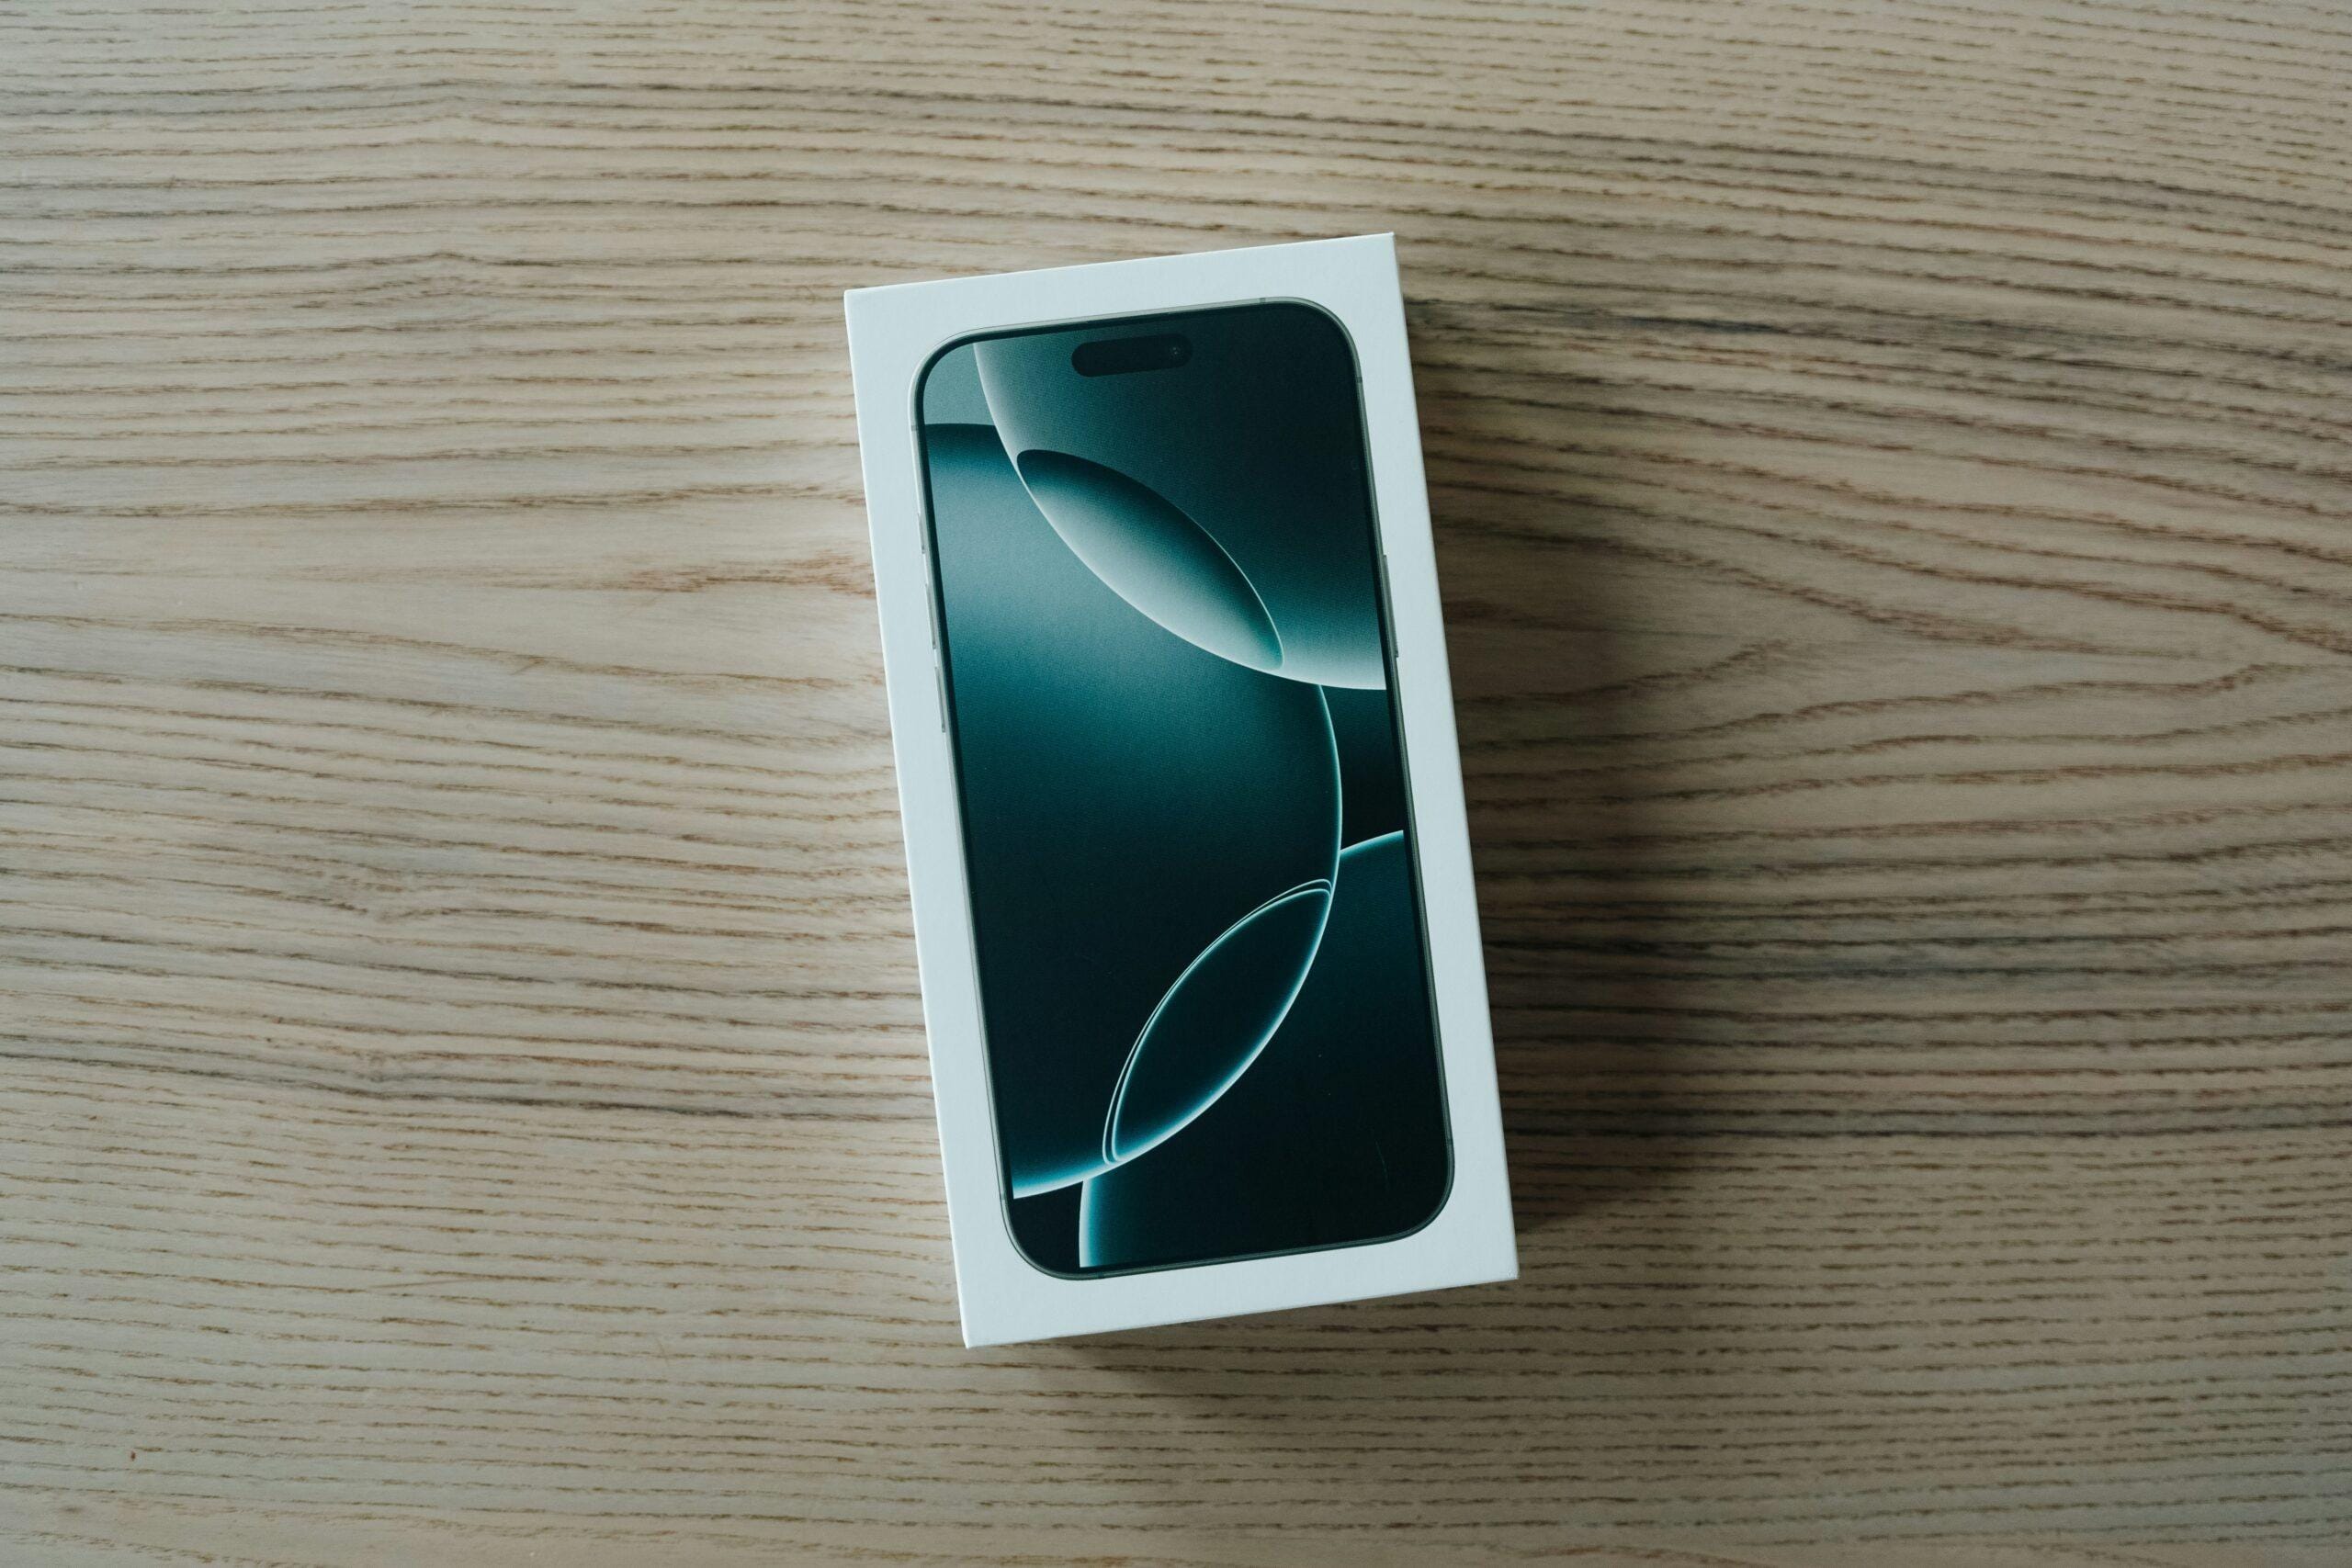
{"x":1169,"y":677}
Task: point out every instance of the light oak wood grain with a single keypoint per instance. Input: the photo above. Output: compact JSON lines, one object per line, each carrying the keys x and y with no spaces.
{"x":462,"y":1093}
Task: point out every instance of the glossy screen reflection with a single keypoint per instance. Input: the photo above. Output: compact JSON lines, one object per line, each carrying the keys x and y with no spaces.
{"x":1202,"y":967}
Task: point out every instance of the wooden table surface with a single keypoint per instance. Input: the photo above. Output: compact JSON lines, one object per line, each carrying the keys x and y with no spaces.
{"x":462,"y":1091}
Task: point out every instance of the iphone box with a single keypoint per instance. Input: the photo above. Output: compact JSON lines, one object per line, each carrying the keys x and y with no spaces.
{"x":1183,"y":815}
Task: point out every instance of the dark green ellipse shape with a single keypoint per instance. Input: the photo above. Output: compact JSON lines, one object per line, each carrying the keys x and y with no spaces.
{"x":1335,"y":1134}
{"x":1215,"y":1021}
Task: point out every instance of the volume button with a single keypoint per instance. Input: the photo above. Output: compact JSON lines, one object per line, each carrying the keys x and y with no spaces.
{"x":939,"y":683}
{"x":1388,"y":602}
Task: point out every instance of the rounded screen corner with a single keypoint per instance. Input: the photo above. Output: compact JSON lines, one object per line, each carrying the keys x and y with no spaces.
{"x":1325,"y":317}
{"x":1437,"y":1206}
{"x":932,"y":362}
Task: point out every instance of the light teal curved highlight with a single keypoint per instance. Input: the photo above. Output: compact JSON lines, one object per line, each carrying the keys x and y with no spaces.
{"x":1071,"y":1177}
{"x":1088,"y":1251}
{"x":1112,"y":1153}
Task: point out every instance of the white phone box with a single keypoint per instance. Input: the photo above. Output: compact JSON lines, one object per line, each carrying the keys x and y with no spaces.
{"x":1176,"y":755}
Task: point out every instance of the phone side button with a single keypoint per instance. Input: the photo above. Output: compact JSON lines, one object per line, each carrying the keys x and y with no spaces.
{"x":939,"y":681}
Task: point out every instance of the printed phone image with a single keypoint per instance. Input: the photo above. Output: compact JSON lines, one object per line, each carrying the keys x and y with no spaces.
{"x":1168,"y":673}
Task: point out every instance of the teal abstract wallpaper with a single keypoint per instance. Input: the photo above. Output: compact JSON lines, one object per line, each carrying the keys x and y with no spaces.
{"x":1202,"y":971}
